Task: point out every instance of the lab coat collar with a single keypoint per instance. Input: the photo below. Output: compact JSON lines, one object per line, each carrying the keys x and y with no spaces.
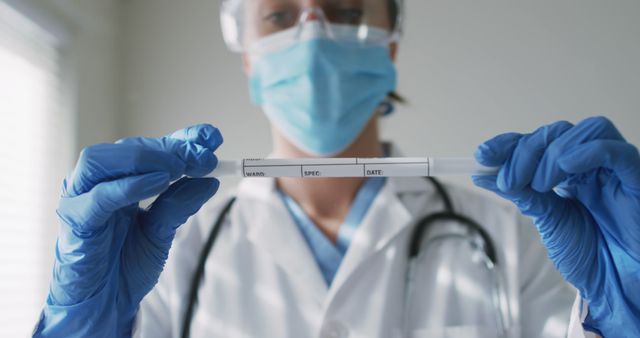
{"x":386,"y":218}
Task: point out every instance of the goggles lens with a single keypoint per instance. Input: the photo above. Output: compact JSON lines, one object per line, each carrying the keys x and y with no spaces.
{"x":247,"y":21}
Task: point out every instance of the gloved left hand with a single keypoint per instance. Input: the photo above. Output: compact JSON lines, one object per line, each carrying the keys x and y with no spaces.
{"x":110,"y":252}
{"x":581,"y":186}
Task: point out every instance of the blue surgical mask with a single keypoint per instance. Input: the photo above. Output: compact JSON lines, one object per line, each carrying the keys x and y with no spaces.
{"x":321,"y":92}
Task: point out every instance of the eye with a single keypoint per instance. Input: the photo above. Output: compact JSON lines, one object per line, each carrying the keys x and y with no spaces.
{"x":281,"y":18}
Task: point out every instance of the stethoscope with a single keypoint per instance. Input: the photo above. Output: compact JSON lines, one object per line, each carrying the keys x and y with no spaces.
{"x":477,"y":236}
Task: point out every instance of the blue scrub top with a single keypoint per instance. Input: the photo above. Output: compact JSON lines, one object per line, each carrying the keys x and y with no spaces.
{"x":327,"y":254}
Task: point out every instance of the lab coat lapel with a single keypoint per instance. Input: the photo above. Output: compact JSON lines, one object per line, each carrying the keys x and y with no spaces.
{"x":272,"y":230}
{"x":386,"y":217}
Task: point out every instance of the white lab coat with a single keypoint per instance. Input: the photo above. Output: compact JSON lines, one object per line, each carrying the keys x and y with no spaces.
{"x":261,"y":279}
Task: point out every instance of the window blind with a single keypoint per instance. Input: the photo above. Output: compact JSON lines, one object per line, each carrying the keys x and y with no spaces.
{"x":32,"y":162}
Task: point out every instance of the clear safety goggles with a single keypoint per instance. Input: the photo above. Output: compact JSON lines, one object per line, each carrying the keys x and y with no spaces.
{"x":245,"y":22}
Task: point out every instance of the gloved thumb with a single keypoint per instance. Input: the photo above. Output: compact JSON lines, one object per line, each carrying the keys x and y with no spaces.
{"x":205,"y":135}
{"x":173,"y":207}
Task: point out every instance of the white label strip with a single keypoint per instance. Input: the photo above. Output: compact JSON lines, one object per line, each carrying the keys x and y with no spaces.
{"x":355,"y":170}
{"x":390,"y":170}
{"x":340,"y":167}
{"x":273,"y":171}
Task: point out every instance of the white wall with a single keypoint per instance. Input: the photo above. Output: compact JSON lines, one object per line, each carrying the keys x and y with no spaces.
{"x":178,"y":72}
{"x":476,"y":68}
{"x":92,"y":61}
{"x":88,"y":31}
{"x":470,"y":69}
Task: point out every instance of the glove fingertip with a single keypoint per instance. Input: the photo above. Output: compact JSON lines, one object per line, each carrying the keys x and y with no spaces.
{"x":214,"y":138}
{"x":502,"y":180}
{"x":206,"y":163}
{"x":483,"y":155}
{"x":485,"y":182}
{"x":215,"y":185}
{"x":205,"y":135}
{"x":204,"y":189}
{"x":214,"y":161}
{"x":211,"y":184}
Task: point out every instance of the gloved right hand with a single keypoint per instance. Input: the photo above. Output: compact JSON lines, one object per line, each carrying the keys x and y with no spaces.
{"x":110,"y":252}
{"x":581,"y":186}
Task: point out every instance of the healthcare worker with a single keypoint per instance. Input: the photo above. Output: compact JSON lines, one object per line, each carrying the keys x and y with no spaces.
{"x":327,"y":257}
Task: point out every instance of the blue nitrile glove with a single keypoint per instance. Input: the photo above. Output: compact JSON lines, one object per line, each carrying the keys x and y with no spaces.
{"x":581,"y":186}
{"x":110,"y":252}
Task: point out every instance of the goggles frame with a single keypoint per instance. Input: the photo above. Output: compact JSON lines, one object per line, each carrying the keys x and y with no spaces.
{"x":233,"y":25}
